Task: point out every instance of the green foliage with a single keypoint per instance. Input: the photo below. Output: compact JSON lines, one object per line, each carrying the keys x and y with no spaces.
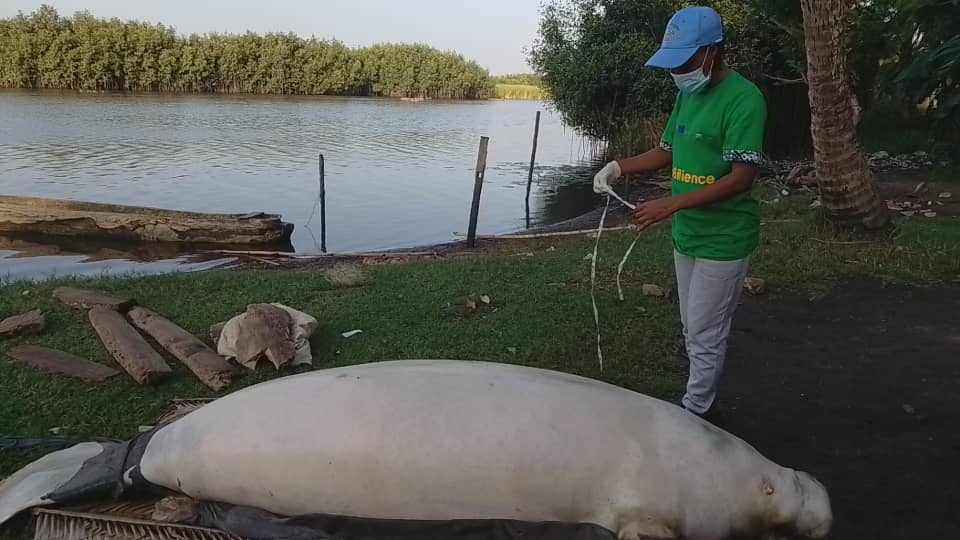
{"x":933,"y":75}
{"x":591,"y":55}
{"x":45,"y":50}
{"x":523,"y":79}
{"x":591,"y":52}
{"x":518,"y":91}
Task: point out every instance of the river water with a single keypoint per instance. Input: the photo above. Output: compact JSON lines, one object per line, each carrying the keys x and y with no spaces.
{"x":398,"y":174}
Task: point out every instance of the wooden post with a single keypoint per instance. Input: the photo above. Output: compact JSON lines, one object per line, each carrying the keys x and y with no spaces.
{"x":323,"y":209}
{"x":533,"y":160}
{"x":477,"y":187}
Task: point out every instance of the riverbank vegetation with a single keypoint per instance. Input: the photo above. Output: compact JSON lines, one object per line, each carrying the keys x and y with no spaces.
{"x":522,"y":79}
{"x":519,"y":86}
{"x":82,"y":52}
{"x":903,"y":63}
{"x":518,"y":91}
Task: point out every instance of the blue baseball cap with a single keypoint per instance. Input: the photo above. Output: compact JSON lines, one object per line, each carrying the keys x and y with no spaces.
{"x":688,"y":30}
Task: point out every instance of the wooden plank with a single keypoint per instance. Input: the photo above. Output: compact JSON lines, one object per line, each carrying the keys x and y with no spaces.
{"x":26,"y":324}
{"x":61,"y":363}
{"x":211,"y":368}
{"x":86,"y":299}
{"x":131,"y":351}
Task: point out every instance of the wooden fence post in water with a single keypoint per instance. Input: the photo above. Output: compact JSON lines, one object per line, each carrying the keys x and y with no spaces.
{"x":533,"y":160}
{"x":477,"y":187}
{"x":323,"y":209}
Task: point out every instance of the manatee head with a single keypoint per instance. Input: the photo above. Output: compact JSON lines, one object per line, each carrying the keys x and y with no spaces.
{"x":815,"y":517}
{"x":798,"y":507}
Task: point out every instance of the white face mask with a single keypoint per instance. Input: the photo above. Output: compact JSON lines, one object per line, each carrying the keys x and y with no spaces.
{"x":695,"y":81}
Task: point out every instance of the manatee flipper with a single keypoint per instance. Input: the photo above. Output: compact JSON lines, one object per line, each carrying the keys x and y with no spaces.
{"x":32,"y":485}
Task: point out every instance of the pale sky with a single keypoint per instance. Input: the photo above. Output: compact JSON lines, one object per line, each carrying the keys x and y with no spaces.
{"x":492,"y":32}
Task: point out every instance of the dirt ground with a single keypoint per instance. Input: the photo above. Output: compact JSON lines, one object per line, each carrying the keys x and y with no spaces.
{"x":862,"y":389}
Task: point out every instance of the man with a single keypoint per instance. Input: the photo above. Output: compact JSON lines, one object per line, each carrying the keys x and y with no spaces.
{"x":713,"y":139}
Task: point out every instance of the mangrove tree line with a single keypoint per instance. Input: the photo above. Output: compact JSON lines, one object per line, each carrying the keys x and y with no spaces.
{"x":46,"y":50}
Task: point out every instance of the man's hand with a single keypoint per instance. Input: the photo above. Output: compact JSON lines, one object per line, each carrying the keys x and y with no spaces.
{"x":607,"y":175}
{"x":655,"y":211}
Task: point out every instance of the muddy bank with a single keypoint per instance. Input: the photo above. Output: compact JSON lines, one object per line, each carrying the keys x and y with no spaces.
{"x":617,"y":216}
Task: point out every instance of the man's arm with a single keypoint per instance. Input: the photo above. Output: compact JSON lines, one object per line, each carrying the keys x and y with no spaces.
{"x":739,"y":180}
{"x":651,"y":160}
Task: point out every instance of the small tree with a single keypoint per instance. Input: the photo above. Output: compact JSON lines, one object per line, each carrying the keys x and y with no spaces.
{"x":846,"y":187}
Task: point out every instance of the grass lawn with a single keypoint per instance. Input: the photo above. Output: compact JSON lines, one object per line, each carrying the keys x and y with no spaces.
{"x":543,"y":317}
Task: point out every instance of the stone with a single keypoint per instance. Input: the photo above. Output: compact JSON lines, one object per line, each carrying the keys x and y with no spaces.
{"x":653,"y":290}
{"x":61,"y":363}
{"x":25,"y":324}
{"x":86,"y":299}
{"x":755,"y":286}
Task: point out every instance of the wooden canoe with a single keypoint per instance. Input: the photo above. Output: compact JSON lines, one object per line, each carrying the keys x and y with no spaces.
{"x":58,"y":217}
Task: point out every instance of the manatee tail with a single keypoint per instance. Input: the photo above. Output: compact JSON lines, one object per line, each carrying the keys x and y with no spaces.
{"x":59,"y":475}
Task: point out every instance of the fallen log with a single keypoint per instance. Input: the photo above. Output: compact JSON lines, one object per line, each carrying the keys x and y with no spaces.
{"x":211,"y":368}
{"x":58,"y":217}
{"x":85,"y":299}
{"x":26,"y":324}
{"x":61,"y":363}
{"x":130,"y":350}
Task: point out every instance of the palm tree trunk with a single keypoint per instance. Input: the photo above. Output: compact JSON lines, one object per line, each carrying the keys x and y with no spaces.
{"x":846,"y":185}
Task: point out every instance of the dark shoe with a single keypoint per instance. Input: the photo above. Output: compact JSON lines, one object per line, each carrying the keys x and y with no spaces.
{"x":712,"y":415}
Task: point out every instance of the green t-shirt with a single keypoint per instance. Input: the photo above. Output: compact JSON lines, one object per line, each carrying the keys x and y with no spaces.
{"x":707,"y":132}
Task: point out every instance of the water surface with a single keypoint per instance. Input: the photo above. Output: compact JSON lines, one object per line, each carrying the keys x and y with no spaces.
{"x":398,"y":174}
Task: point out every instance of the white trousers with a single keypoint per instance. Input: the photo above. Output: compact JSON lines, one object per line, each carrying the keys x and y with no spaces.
{"x":709,"y":292}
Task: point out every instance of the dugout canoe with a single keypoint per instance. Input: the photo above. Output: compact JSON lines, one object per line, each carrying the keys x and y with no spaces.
{"x":66,"y":218}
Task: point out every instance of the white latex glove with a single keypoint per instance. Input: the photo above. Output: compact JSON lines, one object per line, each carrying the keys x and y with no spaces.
{"x":607,"y":175}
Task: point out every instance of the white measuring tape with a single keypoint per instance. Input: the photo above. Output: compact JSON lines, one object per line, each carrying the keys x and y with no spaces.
{"x":613,"y":194}
{"x":593,"y":268}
